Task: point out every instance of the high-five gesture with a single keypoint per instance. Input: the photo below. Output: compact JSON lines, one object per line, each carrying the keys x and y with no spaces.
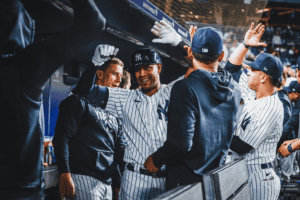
{"x":166,"y":34}
{"x":253,"y":36}
{"x":103,"y":53}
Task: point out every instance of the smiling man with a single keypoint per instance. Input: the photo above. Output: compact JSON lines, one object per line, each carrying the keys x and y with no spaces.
{"x":88,"y":141}
{"x":144,"y":115}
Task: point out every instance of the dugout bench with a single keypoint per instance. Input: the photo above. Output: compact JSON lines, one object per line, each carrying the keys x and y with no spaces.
{"x":228,"y":182}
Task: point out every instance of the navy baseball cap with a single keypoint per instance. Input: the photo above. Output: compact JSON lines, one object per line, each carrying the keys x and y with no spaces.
{"x":268,"y":64}
{"x":293,"y":87}
{"x":208,"y":41}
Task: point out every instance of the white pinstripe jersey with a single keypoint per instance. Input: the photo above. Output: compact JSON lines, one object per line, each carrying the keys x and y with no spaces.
{"x":144,"y":120}
{"x":247,"y":93}
{"x":260,"y":126}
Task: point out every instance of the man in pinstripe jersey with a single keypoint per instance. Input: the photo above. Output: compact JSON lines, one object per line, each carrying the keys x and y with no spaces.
{"x":144,"y":115}
{"x":260,"y":125}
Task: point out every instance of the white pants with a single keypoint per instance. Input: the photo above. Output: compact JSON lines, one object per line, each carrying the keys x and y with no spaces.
{"x":137,"y":186}
{"x":89,"y":188}
{"x":264,"y":183}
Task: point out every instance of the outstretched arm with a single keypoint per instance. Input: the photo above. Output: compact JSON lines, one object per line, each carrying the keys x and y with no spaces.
{"x":252,"y":38}
{"x":39,"y":60}
{"x":86,"y":82}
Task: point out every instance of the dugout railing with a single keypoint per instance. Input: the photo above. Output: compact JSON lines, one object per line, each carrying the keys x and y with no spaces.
{"x":228,"y":182}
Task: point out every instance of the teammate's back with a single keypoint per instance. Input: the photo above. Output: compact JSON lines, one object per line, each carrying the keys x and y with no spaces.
{"x":215,"y":99}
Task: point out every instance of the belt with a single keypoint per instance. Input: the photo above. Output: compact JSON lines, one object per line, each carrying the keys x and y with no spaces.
{"x":266,"y":166}
{"x":158,"y":174}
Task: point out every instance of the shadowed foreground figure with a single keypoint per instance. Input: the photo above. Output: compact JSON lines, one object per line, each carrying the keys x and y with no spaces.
{"x":24,"y":70}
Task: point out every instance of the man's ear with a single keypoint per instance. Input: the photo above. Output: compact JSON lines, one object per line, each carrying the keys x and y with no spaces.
{"x":99,"y":74}
{"x":221,"y":56}
{"x":159,"y":68}
{"x":263,"y":77}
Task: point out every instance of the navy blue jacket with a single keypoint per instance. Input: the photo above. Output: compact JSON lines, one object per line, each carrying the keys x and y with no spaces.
{"x":202,"y":117}
{"x":291,"y":127}
{"x":88,"y":140}
{"x":22,"y":79}
{"x":287,"y":106}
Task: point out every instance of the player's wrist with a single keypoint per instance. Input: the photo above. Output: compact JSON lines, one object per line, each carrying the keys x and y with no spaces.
{"x":245,"y":44}
{"x":290,"y":148}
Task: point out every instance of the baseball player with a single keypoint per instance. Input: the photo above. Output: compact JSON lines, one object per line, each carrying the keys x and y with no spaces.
{"x":25,"y":69}
{"x":144,"y":114}
{"x":89,"y":141}
{"x":260,"y":125}
{"x":202,"y":115}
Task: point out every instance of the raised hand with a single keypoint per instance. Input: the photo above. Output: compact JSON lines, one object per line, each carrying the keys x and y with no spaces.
{"x":253,"y":35}
{"x":103,"y":53}
{"x":166,"y":34}
{"x":192,"y":31}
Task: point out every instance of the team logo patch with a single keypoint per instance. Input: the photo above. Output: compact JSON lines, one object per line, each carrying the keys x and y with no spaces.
{"x":204,"y":50}
{"x":161,"y":110}
{"x":138,"y":57}
{"x":245,"y":122}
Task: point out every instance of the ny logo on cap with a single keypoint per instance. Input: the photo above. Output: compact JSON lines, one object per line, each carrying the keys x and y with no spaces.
{"x":294,"y":89}
{"x":138,"y":57}
{"x":204,"y":50}
{"x":265,"y":69}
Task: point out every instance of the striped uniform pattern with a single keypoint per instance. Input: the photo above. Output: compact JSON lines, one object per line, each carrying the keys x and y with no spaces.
{"x":144,"y":127}
{"x":89,"y":188}
{"x":260,"y":125}
{"x":261,"y":185}
{"x":247,"y":93}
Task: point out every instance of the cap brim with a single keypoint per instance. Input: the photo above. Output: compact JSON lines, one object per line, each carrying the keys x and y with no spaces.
{"x":250,"y":63}
{"x":287,"y":89}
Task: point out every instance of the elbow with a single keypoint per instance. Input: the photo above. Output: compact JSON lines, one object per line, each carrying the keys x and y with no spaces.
{"x":185,"y":146}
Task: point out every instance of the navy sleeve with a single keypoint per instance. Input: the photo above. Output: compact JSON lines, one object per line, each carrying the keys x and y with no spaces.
{"x":120,"y":147}
{"x":86,"y":88}
{"x":181,"y":126}
{"x":69,"y":118}
{"x":287,"y":110}
{"x":235,"y":70}
{"x":293,"y":123}
{"x":287,"y":114}
{"x":38,"y":61}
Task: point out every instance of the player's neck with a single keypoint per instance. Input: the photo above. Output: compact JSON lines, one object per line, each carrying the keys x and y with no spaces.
{"x":152,"y":91}
{"x":213,"y":67}
{"x":264,"y":91}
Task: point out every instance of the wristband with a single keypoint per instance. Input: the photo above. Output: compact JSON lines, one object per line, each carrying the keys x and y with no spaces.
{"x":245,"y":45}
{"x":290,"y":148}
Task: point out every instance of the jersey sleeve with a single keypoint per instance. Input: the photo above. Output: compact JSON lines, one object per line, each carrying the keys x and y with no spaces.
{"x":259,"y":123}
{"x":117,"y":99}
{"x":247,"y":93}
{"x":240,"y":77}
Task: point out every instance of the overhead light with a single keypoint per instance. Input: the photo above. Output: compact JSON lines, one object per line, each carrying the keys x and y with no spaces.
{"x":196,"y":16}
{"x":125,"y":36}
{"x":210,"y":12}
{"x":243,"y":10}
{"x":191,"y":12}
{"x":182,"y":15}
